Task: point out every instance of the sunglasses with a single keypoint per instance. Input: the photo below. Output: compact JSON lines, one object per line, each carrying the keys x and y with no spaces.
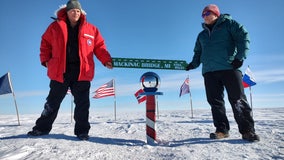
{"x":207,"y":13}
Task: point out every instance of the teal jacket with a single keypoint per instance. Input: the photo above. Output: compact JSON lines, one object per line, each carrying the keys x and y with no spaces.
{"x":216,"y":49}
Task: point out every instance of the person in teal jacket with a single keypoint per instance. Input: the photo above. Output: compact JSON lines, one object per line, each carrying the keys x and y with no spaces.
{"x":221,"y":48}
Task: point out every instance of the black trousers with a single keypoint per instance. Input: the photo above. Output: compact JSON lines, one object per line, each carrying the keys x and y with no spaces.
{"x":231,"y":80}
{"x":80,"y":90}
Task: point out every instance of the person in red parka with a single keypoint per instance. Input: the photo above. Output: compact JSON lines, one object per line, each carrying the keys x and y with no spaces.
{"x":67,"y":50}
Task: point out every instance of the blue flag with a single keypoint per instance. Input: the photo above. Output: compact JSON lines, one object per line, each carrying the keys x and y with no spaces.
{"x":5,"y":87}
{"x":184,"y":89}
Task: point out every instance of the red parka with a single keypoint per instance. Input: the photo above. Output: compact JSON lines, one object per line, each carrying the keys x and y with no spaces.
{"x":53,"y":48}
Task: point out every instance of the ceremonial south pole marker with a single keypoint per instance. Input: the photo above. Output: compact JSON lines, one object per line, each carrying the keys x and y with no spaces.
{"x":150,"y":82}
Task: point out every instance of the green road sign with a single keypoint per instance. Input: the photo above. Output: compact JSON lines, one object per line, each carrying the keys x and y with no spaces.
{"x":149,"y":63}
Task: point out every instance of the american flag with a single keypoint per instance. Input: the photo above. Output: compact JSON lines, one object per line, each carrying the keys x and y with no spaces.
{"x":140,"y":98}
{"x":105,"y":90}
{"x":184,"y":89}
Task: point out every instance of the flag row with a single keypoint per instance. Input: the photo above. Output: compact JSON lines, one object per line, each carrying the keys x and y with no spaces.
{"x":108,"y":89}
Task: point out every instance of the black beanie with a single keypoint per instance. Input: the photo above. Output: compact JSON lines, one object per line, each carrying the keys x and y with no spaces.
{"x":73,"y":4}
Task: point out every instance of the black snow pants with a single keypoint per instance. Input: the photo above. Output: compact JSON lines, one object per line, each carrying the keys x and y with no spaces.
{"x":231,"y":80}
{"x":80,"y":90}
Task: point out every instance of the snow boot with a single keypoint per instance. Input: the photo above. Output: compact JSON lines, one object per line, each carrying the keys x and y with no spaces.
{"x":83,"y":137}
{"x":218,"y":135}
{"x":251,"y":137}
{"x":37,"y":133}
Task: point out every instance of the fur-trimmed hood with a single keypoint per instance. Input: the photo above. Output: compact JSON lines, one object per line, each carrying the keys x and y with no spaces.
{"x":54,"y":43}
{"x":61,"y":13}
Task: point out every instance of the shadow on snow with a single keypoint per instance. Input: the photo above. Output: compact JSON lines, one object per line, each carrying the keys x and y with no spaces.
{"x":203,"y":141}
{"x":128,"y":142}
{"x":101,"y":140}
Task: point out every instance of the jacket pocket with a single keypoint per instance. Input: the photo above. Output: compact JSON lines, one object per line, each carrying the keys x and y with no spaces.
{"x":53,"y":67}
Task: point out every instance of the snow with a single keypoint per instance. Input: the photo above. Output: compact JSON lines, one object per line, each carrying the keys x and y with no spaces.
{"x":179,"y":136}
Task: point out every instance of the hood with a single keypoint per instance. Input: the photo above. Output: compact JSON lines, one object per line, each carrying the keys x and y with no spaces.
{"x":225,"y":16}
{"x":61,"y":14}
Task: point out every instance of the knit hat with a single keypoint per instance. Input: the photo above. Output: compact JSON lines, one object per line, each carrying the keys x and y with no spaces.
{"x":73,"y":4}
{"x":213,"y":8}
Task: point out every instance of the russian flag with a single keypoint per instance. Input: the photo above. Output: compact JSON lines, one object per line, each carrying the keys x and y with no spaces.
{"x":248,"y":79}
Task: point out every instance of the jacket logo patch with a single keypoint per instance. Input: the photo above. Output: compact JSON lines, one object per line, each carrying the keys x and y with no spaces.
{"x":89,"y":42}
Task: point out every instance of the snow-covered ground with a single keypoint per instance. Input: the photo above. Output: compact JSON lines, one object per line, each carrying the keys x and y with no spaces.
{"x":179,"y":136}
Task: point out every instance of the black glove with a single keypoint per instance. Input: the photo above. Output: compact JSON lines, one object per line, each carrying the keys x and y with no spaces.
{"x":237,"y":63}
{"x":189,"y":67}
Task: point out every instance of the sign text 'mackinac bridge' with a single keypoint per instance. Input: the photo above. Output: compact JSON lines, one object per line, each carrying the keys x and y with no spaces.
{"x":149,"y":63}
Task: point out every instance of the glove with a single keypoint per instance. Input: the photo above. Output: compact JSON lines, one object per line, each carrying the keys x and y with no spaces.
{"x":189,"y":67}
{"x":237,"y":63}
{"x":108,"y":65}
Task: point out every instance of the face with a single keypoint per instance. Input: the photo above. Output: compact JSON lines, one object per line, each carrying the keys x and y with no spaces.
{"x":209,"y":17}
{"x":74,"y":15}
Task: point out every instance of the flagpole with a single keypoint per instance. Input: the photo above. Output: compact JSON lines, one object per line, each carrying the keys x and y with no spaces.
{"x":114,"y":100}
{"x":251,"y":100}
{"x":191,"y":105}
{"x":14,"y":98}
{"x":71,"y":97}
{"x":250,"y":97}
{"x":190,"y":99}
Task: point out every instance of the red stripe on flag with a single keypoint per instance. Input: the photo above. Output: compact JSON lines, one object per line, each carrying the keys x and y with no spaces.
{"x":105,"y":90}
{"x":140,"y":98}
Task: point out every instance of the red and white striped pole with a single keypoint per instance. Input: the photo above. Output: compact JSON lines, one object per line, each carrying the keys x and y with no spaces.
{"x":150,"y":119}
{"x":150,"y":82}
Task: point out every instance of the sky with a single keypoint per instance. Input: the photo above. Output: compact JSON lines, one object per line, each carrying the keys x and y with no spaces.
{"x":160,"y":29}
